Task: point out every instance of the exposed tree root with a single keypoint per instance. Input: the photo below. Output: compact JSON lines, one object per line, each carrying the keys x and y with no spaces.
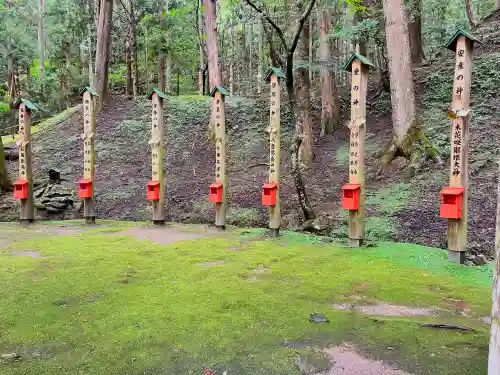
{"x":416,"y":148}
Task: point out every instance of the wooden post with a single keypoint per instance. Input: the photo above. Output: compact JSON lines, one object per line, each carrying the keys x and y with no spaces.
{"x":358,"y":65}
{"x":462,"y":44}
{"x":25,"y":168}
{"x":273,"y":76}
{"x":218,"y":94}
{"x":157,"y":143}
{"x":494,"y":355}
{"x":88,"y":95}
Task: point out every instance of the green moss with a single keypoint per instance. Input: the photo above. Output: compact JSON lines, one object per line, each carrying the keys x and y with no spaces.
{"x":47,"y":124}
{"x":100,"y":304}
{"x":241,"y":216}
{"x":390,"y":199}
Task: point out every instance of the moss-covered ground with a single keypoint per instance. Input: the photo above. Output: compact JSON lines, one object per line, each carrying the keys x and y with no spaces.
{"x":96,"y":301}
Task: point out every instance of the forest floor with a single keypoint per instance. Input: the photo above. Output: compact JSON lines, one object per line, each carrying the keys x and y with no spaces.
{"x":398,"y":209}
{"x":130,"y":299}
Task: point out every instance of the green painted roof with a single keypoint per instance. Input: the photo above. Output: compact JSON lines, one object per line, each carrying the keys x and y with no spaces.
{"x":90,"y":90}
{"x":274,"y":70}
{"x":161,"y":94}
{"x":361,"y":58}
{"x":452,"y":43}
{"x":222,"y":90}
{"x":26,"y":102}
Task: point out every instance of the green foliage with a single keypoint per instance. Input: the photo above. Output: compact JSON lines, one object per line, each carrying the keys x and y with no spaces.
{"x":4,"y":107}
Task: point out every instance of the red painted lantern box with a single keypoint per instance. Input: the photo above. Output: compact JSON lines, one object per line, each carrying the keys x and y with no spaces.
{"x":21,"y":189}
{"x":153,"y":193}
{"x":269,"y":194}
{"x":350,"y":196}
{"x":85,"y":190}
{"x":215,"y":195}
{"x":451,"y":202}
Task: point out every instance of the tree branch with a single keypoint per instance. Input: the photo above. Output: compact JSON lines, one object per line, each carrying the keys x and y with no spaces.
{"x":272,"y":23}
{"x":300,"y":25}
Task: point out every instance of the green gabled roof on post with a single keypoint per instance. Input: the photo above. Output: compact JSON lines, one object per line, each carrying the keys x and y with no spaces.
{"x":26,"y":102}
{"x":90,"y":90}
{"x":452,"y":43}
{"x":156,"y":91}
{"x":219,"y":88}
{"x":361,"y":58}
{"x":273,"y":70}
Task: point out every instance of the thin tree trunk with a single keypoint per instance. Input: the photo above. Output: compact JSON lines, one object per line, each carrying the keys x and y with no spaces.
{"x":5,"y":183}
{"x":41,"y":44}
{"x":168,"y":73}
{"x":146,"y":53}
{"x":128,"y":70}
{"x":494,"y":355}
{"x":330,"y":110}
{"x":415,"y":31}
{"x":89,"y":44}
{"x":135,"y":62}
{"x":303,"y":101}
{"x":470,"y":13}
{"x":261,"y":57}
{"x":102,"y":50}
{"x":311,"y":49}
{"x":202,"y":67}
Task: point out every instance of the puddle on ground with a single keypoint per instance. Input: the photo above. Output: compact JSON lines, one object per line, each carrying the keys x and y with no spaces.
{"x":27,"y":253}
{"x":385,"y":309}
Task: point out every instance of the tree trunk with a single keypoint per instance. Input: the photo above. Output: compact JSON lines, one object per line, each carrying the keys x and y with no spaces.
{"x":211,"y":41}
{"x":415,"y":31}
{"x":89,"y":44}
{"x":330,"y":109}
{"x":311,"y":48}
{"x":135,"y":62}
{"x":409,"y":139}
{"x":494,"y":355}
{"x":168,"y":73}
{"x":5,"y":183}
{"x":41,"y":45}
{"x":261,"y":57}
{"x":129,"y":90}
{"x":11,"y":87}
{"x":498,"y":4}
{"x":470,"y":13}
{"x":102,"y":50}
{"x":303,"y":124}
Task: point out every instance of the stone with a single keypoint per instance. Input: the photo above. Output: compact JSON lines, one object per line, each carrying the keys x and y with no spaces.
{"x":57,"y":205}
{"x":318,"y":318}
{"x":39,"y":192}
{"x":481,"y":260}
{"x":10,"y":356}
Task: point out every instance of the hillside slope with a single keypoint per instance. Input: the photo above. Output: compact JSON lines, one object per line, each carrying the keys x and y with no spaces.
{"x":396,"y":209}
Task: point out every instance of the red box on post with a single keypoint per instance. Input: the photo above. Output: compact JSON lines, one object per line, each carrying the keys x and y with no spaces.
{"x":269,"y":194}
{"x":451,"y":202}
{"x":85,"y":190}
{"x":350,"y":196}
{"x":153,"y":193}
{"x":21,"y":189}
{"x":215,"y":195}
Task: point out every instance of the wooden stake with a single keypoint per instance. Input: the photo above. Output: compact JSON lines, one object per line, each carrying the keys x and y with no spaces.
{"x":157,"y":143}
{"x":459,"y":173}
{"x":88,"y":154}
{"x":359,"y":85}
{"x":494,"y":355}
{"x":275,"y":152}
{"x":25,"y":167}
{"x":220,"y":155}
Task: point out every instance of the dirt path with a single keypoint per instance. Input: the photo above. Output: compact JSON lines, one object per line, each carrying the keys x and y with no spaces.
{"x":165,"y":236}
{"x":346,"y":361}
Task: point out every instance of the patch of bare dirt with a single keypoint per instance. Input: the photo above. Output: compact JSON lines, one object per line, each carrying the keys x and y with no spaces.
{"x":26,"y":253}
{"x":346,"y":361}
{"x":385,"y":309}
{"x":163,"y":236}
{"x":212,"y":263}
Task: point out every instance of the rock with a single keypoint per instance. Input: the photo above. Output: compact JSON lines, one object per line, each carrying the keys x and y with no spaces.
{"x":10,"y":356}
{"x":311,"y":226}
{"x":53,"y":209}
{"x":58,"y":191}
{"x":481,"y":260}
{"x":318,"y":318}
{"x":57,"y":205}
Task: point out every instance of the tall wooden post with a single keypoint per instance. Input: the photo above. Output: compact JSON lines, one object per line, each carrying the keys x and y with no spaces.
{"x":157,"y":143}
{"x":218,"y":94}
{"x":272,"y":188}
{"x":462,"y":43}
{"x":23,"y":187}
{"x":494,"y":354}
{"x":358,"y":65}
{"x":88,"y":95}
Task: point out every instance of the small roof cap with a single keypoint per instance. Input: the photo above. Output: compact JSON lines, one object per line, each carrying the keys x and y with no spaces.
{"x":354,"y":56}
{"x":452,"y":43}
